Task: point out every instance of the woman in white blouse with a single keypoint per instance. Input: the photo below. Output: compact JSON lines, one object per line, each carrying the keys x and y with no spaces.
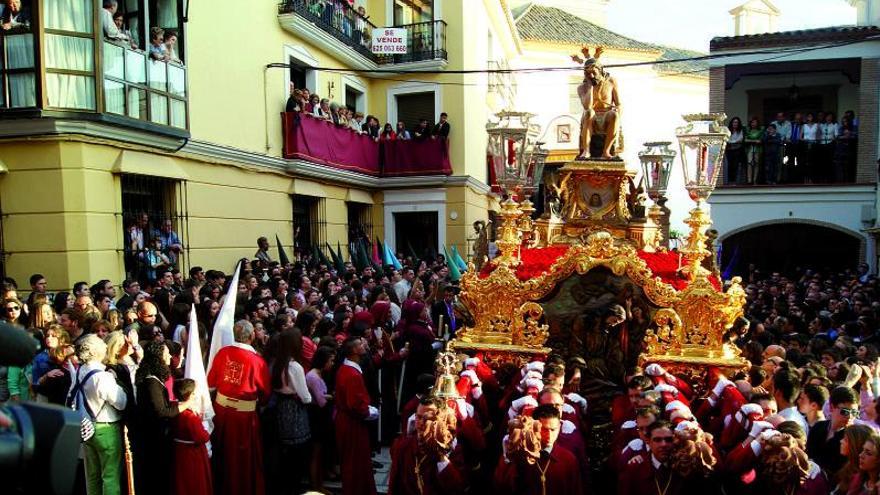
{"x":291,"y":425}
{"x":810,"y":139}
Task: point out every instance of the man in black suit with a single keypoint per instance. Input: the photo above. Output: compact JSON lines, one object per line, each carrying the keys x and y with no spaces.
{"x":441,"y":129}
{"x":823,"y":444}
{"x":444,"y":307}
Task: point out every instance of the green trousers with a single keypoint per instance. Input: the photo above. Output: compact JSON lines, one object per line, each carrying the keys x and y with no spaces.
{"x":103,"y":460}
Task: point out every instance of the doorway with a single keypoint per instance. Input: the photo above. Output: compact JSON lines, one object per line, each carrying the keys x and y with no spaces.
{"x":413,"y":107}
{"x":785,"y":248}
{"x":417,"y":229}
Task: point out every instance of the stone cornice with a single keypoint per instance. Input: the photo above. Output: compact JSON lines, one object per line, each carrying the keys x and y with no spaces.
{"x":127,"y":138}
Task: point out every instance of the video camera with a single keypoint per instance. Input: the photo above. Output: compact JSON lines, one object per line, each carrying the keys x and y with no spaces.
{"x":39,"y":451}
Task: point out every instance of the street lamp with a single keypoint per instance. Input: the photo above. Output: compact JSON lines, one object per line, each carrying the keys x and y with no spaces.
{"x":657,"y":161}
{"x":702,"y":141}
{"x":511,"y":148}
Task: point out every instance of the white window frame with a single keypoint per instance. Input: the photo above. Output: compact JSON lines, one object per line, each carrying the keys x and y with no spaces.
{"x":302,"y":55}
{"x":410,"y":88}
{"x":414,"y":200}
{"x":355,"y":83}
{"x":389,"y":11}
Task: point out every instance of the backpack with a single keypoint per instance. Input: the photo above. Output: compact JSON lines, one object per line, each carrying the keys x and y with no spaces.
{"x":76,"y":399}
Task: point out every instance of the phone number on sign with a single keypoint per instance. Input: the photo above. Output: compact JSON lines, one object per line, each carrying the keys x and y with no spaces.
{"x":389,"y":48}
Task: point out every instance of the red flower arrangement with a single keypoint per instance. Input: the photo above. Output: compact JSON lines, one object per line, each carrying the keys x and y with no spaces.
{"x":536,"y":262}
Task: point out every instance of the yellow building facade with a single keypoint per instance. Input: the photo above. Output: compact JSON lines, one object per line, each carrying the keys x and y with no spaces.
{"x":93,"y":132}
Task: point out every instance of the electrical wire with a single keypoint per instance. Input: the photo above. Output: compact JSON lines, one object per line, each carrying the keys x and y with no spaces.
{"x":777,"y":54}
{"x":782,"y":52}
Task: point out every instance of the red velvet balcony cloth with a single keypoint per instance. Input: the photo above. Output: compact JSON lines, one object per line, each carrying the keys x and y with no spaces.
{"x":308,"y":138}
{"x":316,"y":140}
{"x":404,"y":158}
{"x":539,"y":260}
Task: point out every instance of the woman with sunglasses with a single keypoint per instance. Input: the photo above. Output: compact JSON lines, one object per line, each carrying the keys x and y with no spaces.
{"x":12,"y":312}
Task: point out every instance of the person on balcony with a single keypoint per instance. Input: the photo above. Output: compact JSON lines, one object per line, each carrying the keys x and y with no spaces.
{"x":372,"y":128}
{"x":735,"y":153}
{"x":794,"y":168}
{"x":844,"y":157}
{"x":402,"y":133}
{"x":422,"y":132}
{"x":322,"y":110}
{"x":810,"y":137}
{"x":772,"y":144}
{"x":441,"y":129}
{"x":362,"y":34}
{"x":15,"y":16}
{"x":124,"y":33}
{"x":294,"y":100}
{"x":314,"y":101}
{"x":828,"y":132}
{"x":170,"y":40}
{"x":158,"y":50}
{"x":111,"y":30}
{"x":753,"y":150}
{"x":357,"y":123}
{"x":388,"y":133}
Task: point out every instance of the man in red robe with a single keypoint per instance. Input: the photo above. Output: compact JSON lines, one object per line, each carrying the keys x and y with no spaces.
{"x":418,"y":468}
{"x":353,"y":410}
{"x":652,"y":475}
{"x":555,"y":471}
{"x":241,"y":379}
{"x":623,"y":408}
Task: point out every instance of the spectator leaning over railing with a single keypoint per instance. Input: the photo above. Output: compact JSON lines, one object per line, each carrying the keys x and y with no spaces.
{"x":388,"y":133}
{"x":357,"y":123}
{"x":158,"y":50}
{"x":170,"y":40}
{"x":124,"y":33}
{"x":401,"y":131}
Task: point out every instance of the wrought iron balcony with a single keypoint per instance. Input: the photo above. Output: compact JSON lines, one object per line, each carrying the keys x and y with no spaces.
{"x":425,"y":40}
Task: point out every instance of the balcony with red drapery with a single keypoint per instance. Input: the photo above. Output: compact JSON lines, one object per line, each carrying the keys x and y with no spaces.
{"x":319,"y":141}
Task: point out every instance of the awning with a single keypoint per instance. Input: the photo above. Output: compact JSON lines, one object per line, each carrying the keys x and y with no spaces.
{"x":140,"y":163}
{"x":358,"y":196}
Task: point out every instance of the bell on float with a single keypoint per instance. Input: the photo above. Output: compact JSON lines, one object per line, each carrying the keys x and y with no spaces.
{"x":445,"y":387}
{"x":445,"y":384}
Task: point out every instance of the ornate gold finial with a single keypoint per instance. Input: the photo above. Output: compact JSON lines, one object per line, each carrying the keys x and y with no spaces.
{"x":511,"y":236}
{"x":526,"y":224}
{"x":695,"y":250}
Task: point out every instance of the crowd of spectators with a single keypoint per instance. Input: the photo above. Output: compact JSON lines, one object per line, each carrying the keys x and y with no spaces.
{"x":304,"y":102}
{"x":795,"y":149}
{"x":348,"y":362}
{"x":342,"y":17}
{"x":304,"y":312}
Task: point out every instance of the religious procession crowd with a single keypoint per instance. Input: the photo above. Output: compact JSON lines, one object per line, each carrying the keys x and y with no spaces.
{"x":328,"y":366}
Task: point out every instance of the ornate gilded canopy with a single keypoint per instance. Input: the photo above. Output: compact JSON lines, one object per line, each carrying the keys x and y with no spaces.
{"x":687,"y":331}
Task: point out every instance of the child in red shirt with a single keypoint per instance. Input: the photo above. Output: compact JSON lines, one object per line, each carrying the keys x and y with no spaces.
{"x":192,"y":468}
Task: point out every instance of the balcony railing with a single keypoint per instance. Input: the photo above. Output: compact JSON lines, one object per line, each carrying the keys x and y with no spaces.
{"x":319,"y":141}
{"x":425,"y":40}
{"x":798,"y":164}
